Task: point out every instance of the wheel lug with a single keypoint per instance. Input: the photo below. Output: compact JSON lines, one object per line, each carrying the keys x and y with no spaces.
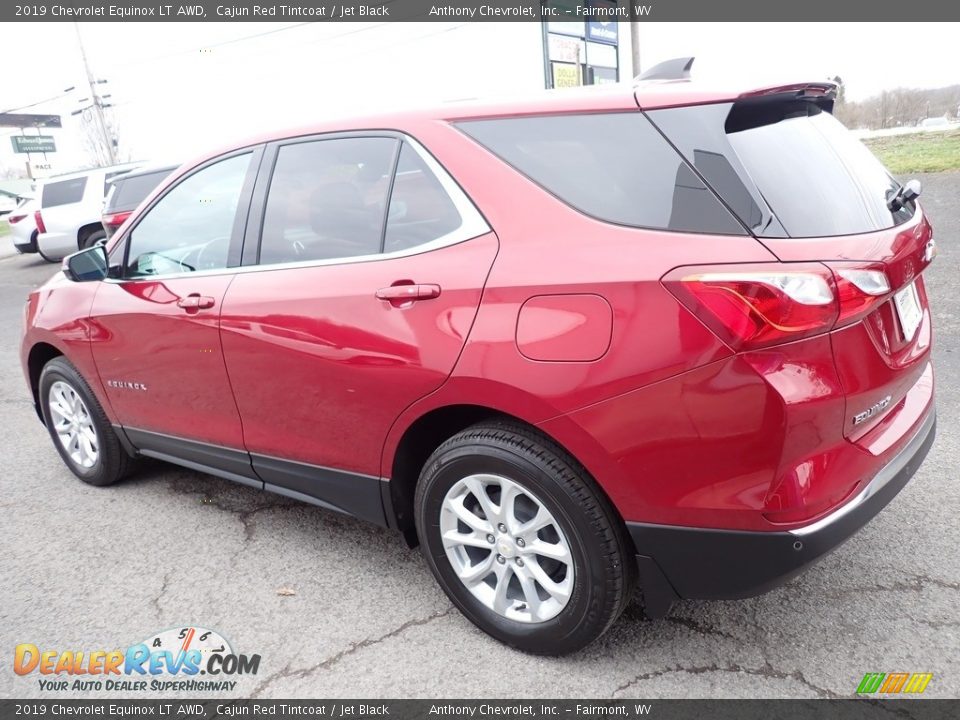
{"x":520,"y":542}
{"x":520,"y":562}
{"x":501,"y":527}
{"x":491,"y":539}
{"x":501,"y":559}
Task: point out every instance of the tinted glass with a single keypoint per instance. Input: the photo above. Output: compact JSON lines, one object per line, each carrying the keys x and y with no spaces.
{"x":420,"y":209}
{"x":189,"y":228}
{"x":327,"y":200}
{"x":128,"y":192}
{"x":786,"y":167}
{"x":63,"y":192}
{"x":615,"y":167}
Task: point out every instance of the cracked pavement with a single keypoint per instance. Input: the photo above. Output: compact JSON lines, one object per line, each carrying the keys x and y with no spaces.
{"x":88,"y":568}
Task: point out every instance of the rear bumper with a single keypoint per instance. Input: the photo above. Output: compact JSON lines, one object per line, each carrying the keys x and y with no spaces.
{"x":685,"y":562}
{"x":56,"y":245}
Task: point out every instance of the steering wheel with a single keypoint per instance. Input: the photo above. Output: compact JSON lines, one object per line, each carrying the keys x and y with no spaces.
{"x":214,"y":261}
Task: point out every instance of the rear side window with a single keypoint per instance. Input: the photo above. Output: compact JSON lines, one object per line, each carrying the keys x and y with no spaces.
{"x":63,"y":192}
{"x":420,"y":210}
{"x":129,"y":192}
{"x":786,"y":166}
{"x":615,"y":167}
{"x":327,"y":199}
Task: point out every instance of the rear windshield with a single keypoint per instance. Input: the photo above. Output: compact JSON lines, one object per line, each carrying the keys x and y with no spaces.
{"x":787,"y":168}
{"x":128,"y":192}
{"x":612,"y":166}
{"x":63,"y":192}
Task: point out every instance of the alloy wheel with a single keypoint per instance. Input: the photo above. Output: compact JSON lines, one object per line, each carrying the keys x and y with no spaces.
{"x":73,"y":425}
{"x":507,"y":548}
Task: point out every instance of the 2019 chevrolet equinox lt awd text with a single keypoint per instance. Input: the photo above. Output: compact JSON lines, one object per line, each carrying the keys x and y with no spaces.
{"x":667,"y":336}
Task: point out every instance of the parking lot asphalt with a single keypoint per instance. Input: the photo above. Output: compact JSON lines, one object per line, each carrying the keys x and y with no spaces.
{"x":339,"y":608}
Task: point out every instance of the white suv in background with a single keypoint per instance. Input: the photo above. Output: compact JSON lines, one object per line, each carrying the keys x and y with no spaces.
{"x":70,"y":209}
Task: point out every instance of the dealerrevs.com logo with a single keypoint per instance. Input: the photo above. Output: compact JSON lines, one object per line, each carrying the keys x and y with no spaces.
{"x":179,"y":659}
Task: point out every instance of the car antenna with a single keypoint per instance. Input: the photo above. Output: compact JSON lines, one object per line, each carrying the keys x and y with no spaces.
{"x":674,"y":69}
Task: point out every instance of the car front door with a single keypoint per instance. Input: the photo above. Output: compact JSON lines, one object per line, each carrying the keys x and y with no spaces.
{"x":156,"y":340}
{"x":370,"y":269}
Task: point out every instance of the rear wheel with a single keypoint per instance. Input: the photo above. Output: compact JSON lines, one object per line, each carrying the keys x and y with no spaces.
{"x":521,"y":539}
{"x":95,"y":237}
{"x":79,"y":428}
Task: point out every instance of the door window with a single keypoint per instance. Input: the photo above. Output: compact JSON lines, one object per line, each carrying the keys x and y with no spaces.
{"x":327,"y":199}
{"x":420,"y":209}
{"x":190,"y":227}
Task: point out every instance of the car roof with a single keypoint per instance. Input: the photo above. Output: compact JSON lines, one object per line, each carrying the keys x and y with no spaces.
{"x":145,"y":170}
{"x":645,"y":94}
{"x":89,"y":171}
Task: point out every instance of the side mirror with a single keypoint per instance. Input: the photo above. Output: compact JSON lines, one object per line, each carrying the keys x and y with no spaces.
{"x":87,"y":265}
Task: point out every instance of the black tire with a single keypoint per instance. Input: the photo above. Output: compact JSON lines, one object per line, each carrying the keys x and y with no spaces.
{"x":112,"y":461}
{"x":603,"y":562}
{"x":92,"y":238}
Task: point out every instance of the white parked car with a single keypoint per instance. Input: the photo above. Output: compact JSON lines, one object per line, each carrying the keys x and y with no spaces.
{"x":23,"y":226}
{"x":70,"y":210}
{"x":935,"y":123}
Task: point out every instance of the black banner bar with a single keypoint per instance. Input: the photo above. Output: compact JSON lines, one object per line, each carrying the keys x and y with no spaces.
{"x":474,"y":10}
{"x":857,"y":709}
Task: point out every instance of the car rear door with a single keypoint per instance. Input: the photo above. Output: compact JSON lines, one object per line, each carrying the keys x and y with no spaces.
{"x":156,"y":340}
{"x":355,"y":301}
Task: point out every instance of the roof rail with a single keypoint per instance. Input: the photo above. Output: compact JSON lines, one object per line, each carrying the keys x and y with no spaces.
{"x":675,"y":69}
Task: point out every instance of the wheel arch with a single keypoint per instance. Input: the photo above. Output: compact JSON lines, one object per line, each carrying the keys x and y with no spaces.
{"x":40,"y":354}
{"x":84,"y":230}
{"x":424,"y":435}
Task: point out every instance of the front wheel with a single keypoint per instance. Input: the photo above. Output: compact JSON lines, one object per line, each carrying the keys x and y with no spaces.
{"x":521,"y":539}
{"x":78,"y":426}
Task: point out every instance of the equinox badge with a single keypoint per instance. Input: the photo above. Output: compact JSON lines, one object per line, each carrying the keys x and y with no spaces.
{"x":871,"y":411}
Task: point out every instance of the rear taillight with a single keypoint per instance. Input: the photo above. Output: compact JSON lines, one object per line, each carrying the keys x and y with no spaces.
{"x":39,"y":220}
{"x":115,"y":220}
{"x":752,"y":306}
{"x":860,"y":289}
{"x":14,"y":219}
{"x":755,"y":306}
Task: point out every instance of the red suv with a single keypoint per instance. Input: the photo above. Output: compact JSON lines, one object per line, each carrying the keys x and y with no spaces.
{"x":670,"y":336}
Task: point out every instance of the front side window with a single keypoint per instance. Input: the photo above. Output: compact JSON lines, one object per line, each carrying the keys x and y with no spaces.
{"x":190,"y":227}
{"x":327,"y":199}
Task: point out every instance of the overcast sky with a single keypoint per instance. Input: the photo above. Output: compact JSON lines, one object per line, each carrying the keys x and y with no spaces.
{"x":178,"y":88}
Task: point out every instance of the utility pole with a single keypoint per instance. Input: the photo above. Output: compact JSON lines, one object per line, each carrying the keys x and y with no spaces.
{"x":97,"y":101}
{"x":635,"y":46}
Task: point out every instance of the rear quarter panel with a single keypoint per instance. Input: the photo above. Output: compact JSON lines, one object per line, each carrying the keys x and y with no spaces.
{"x":548,"y":248}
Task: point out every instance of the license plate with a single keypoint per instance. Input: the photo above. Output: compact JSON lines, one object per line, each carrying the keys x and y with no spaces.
{"x":907,"y":303}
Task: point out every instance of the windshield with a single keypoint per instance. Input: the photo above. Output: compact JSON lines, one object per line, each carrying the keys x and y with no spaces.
{"x":787,"y":168}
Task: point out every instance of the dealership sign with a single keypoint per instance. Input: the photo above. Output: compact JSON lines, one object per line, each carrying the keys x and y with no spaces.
{"x":600,"y":31}
{"x":33,"y":144}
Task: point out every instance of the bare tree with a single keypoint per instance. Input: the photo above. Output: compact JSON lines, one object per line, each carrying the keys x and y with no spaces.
{"x":93,"y":141}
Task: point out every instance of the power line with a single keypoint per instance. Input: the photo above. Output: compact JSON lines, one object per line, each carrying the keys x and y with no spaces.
{"x":34,"y":104}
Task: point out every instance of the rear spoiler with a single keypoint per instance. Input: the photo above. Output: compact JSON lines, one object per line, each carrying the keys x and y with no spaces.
{"x":675,"y":90}
{"x":799,"y":91}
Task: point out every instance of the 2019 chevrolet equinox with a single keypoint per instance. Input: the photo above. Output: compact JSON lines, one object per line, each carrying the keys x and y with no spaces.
{"x":667,"y":335}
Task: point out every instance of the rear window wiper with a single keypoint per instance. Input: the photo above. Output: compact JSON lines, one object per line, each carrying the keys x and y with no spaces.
{"x":908,"y":192}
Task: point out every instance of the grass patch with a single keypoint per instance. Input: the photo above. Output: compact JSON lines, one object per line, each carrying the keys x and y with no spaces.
{"x":918,"y":152}
{"x":4,"y":228}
